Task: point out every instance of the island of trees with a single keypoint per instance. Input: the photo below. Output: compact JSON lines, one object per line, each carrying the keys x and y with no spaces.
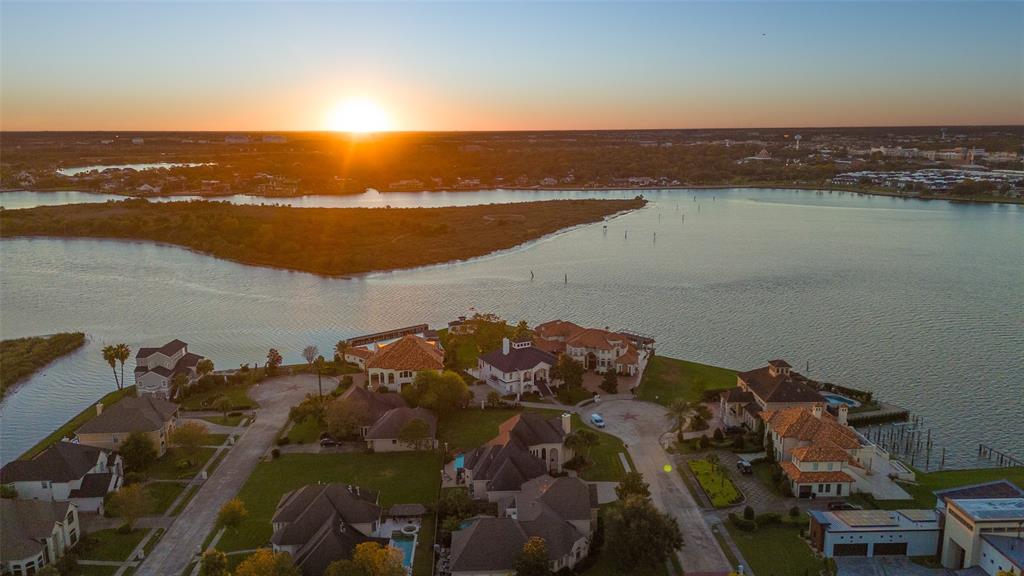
{"x":22,"y":357}
{"x":328,"y":241}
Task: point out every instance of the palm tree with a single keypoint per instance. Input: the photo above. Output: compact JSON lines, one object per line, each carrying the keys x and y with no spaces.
{"x":124,"y":352}
{"x":110,"y":355}
{"x":319,"y":365}
{"x":678,"y":410}
{"x":339,"y":350}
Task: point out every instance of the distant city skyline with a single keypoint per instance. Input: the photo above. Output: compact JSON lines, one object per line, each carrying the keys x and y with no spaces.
{"x":496,"y":66}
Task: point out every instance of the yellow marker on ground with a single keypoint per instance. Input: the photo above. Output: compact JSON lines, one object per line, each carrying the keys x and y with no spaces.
{"x":667,"y":467}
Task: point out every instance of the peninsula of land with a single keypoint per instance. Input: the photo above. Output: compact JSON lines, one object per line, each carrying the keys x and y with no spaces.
{"x":326,"y":241}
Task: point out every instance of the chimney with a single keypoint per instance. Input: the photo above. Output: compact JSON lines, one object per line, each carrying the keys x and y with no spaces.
{"x":99,"y":408}
{"x":566,"y":423}
{"x":844,"y":410}
{"x":816,"y":411}
{"x":504,"y":346}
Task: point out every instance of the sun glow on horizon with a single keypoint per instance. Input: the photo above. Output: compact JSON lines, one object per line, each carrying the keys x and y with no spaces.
{"x":359,"y":116}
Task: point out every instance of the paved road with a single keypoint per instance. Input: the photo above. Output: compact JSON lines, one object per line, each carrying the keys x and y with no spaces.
{"x":640,"y":425}
{"x":185,"y":537}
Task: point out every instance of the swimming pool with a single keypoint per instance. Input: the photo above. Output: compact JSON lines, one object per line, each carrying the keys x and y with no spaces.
{"x":836,"y":399}
{"x":405,"y":543}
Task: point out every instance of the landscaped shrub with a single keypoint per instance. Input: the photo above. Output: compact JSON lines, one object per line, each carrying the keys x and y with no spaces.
{"x":124,"y":529}
{"x":742,"y":523}
{"x":284,"y":441}
{"x":794,"y":512}
{"x":748,"y":513}
{"x":275,"y":453}
{"x":768,"y":519}
{"x":718,"y":435}
{"x":737,"y":443}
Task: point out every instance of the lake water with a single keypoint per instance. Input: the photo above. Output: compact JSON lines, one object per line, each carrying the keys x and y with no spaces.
{"x":921,"y":302}
{"x":144,"y":166}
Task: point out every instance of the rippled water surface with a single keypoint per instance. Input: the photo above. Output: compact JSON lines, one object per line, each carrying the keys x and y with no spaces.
{"x":922,"y":302}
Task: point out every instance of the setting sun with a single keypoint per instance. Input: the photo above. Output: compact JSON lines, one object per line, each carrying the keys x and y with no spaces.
{"x":358,"y":115}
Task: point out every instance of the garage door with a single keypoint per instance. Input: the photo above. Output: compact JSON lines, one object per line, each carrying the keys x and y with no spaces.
{"x":850,"y":550}
{"x":891,"y":549}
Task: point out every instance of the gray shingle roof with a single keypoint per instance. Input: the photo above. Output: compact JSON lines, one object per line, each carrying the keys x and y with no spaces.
{"x":93,"y":485}
{"x":569,"y":498}
{"x":377,"y":404}
{"x":391,"y":423}
{"x":24,"y":522}
{"x":61,"y":462}
{"x":792,"y":387}
{"x":487,"y":544}
{"x":168,"y":349}
{"x":305,"y":510}
{"x":518,"y":359}
{"x":145,"y":413}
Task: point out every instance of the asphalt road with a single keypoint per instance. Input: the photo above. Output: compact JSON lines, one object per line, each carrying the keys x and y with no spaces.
{"x":640,"y":426}
{"x":186,"y":535}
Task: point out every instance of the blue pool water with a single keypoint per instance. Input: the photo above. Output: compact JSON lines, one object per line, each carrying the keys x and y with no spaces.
{"x":405,"y":543}
{"x":836,"y":399}
{"x":460,"y":462}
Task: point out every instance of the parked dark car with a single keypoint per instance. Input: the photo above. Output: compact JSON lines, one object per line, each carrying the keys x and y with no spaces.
{"x":842,"y":506}
{"x":744,"y":467}
{"x":327,"y":442}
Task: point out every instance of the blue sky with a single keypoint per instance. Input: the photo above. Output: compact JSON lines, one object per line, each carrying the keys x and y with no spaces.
{"x":483,"y":66}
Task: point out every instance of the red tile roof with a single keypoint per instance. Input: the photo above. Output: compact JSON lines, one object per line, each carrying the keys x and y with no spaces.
{"x":408,"y":353}
{"x":801,"y":477}
{"x":800,"y":423}
{"x":820,"y":453}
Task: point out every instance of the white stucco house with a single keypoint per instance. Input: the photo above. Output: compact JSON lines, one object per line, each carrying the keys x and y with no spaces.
{"x":396,"y":364}
{"x":66,"y":472}
{"x":869,"y":533}
{"x":517,"y":368}
{"x":596,"y":349}
{"x":155,"y":368}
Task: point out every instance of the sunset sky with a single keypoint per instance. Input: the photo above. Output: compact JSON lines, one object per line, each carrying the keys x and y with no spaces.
{"x":490,"y":66}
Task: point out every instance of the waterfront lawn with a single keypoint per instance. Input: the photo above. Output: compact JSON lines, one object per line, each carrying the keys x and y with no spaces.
{"x":776,"y":550}
{"x":306,"y":432}
{"x":77,"y":422}
{"x":926,"y":483}
{"x":401,"y":477}
{"x":666,"y":379}
{"x":22,"y":357}
{"x":716,"y":483}
{"x":109,"y":544}
{"x":238,"y":395}
{"x":166,"y":467}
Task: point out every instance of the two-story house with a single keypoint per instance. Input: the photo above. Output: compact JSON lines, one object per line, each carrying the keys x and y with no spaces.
{"x":596,"y":349}
{"x":155,"y":368}
{"x":396,"y":364}
{"x":34,"y":533}
{"x":148,"y":414}
{"x":527,"y":446}
{"x":773,"y":387}
{"x":517,"y":368}
{"x":66,"y":472}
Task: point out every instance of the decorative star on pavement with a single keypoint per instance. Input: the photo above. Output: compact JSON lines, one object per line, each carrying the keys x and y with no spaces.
{"x":293,"y":387}
{"x":629,"y":416}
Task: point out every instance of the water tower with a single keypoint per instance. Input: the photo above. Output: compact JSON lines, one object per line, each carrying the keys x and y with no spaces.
{"x":797,"y":138}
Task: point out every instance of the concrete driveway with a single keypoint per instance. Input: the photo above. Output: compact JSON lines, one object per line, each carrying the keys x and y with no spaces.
{"x":640,"y":426}
{"x":886,"y":566}
{"x":186,"y":535}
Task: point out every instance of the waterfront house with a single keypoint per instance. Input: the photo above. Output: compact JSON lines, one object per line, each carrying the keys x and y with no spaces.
{"x":462,"y":325}
{"x":66,"y":472}
{"x":869,"y":533}
{"x":34,"y":533}
{"x":562,"y":511}
{"x":321,"y":523}
{"x":397,"y":364}
{"x":594,"y":348}
{"x":148,"y":414}
{"x":358,"y":355}
{"x":517,"y":368}
{"x":155,"y":368}
{"x":527,"y":446}
{"x":773,"y":387}
{"x":982,"y":527}
{"x":385,"y":415}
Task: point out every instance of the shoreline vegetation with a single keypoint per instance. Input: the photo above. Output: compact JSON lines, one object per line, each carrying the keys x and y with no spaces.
{"x":336,"y":242}
{"x":819,"y":187}
{"x":20,"y":358}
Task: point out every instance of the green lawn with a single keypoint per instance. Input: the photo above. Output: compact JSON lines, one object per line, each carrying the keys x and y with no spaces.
{"x":931,"y":481}
{"x":605,"y":566}
{"x":184,"y":501}
{"x":109,"y":545}
{"x":306,"y":432}
{"x":237,"y":395}
{"x":220,"y":420}
{"x":716,"y":483}
{"x":401,"y":477}
{"x":606,"y":465}
{"x":573,"y":396}
{"x":421,"y":560}
{"x":467,"y":429}
{"x":776,"y":551}
{"x":75,"y":423}
{"x":163,"y":495}
{"x":215,"y":439}
{"x":166,"y":467}
{"x":465,"y":346}
{"x":666,"y":379}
